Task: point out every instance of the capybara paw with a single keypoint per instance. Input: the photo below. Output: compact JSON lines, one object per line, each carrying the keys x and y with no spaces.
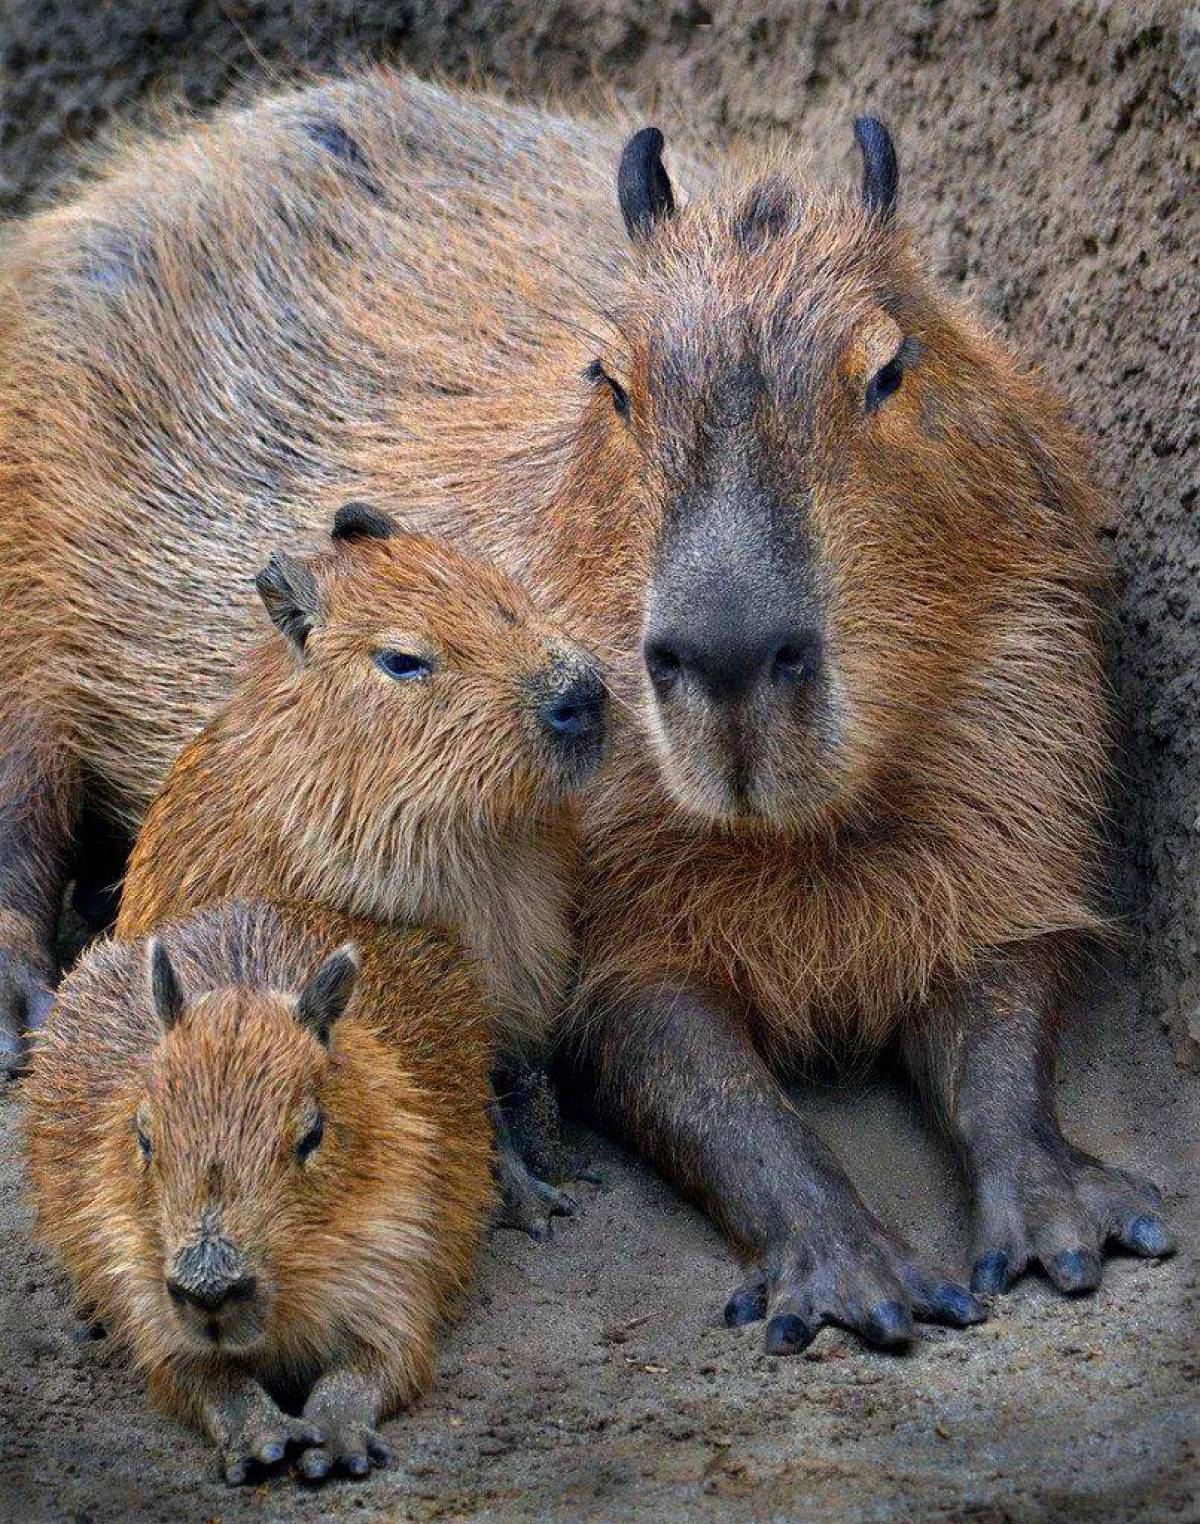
{"x":860,"y":1278}
{"x":527,"y":1203}
{"x":264,"y":1443}
{"x":350,"y":1449}
{"x":1058,"y":1209}
{"x":25,"y":1001}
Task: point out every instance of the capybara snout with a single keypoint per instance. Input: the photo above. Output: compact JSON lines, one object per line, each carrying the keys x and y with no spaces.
{"x":571,"y":708}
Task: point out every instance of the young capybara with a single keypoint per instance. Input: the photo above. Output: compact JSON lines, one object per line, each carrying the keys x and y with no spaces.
{"x":403,"y":748}
{"x":837,"y":546}
{"x":259,"y":1143}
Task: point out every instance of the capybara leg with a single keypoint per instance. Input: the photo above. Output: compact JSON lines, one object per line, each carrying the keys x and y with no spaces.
{"x":251,"y":1432}
{"x":525,"y":1202}
{"x":986,"y":1059}
{"x":676,"y":1076}
{"x":39,"y":807}
{"x":345,"y":1406}
{"x":529,"y":1100}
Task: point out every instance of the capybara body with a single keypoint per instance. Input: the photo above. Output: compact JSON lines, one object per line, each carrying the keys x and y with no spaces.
{"x":835,"y":544}
{"x":403,"y":747}
{"x":268,"y":1177}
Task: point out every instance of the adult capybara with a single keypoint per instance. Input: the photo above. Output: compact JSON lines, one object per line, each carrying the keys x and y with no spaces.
{"x":259,"y":1142}
{"x":836,"y":544}
{"x":403,"y":748}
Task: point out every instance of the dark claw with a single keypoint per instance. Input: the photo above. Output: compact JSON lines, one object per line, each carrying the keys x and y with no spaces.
{"x":889,"y":1323}
{"x":1146,"y":1235}
{"x":746,"y":1306}
{"x":271,"y":1453}
{"x":357,"y":1465}
{"x":237,"y":1473}
{"x":955,"y":1304}
{"x":788,"y":1334}
{"x":379,"y":1452}
{"x":991,"y":1273}
{"x":1075,"y":1271}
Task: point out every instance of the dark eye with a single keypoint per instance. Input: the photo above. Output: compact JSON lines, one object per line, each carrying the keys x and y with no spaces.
{"x":311,"y":1140}
{"x":596,"y":372}
{"x":143,"y":1139}
{"x":403,"y":666}
{"x":884,"y":382}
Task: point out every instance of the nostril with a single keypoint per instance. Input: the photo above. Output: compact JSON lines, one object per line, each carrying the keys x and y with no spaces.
{"x":663,"y":662}
{"x":798,"y":659}
{"x":176,"y":1292}
{"x":242,"y":1290}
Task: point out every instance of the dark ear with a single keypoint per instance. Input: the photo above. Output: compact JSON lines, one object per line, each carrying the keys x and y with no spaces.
{"x":166,"y":992}
{"x":327,"y":994}
{"x":643,"y":186}
{"x":289,"y":591}
{"x":359,"y":521}
{"x":881,"y":171}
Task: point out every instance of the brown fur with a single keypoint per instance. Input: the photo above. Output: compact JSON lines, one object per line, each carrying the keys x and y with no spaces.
{"x":365,"y":1246}
{"x":226,"y":336}
{"x":441,"y":800}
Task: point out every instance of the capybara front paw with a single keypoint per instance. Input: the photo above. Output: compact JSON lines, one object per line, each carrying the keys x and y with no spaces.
{"x":264,"y":1441}
{"x":25,"y":1001}
{"x":350,"y":1449}
{"x":857,"y":1276}
{"x":1059,"y":1208}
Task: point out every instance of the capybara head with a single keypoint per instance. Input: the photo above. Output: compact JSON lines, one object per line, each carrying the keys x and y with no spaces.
{"x":239,"y":1170}
{"x":835,"y":477}
{"x":431,"y":678}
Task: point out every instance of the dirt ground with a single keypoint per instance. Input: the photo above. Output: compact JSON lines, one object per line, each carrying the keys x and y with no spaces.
{"x":1050,"y":155}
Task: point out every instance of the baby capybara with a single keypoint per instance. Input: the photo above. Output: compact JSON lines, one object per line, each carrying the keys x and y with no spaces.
{"x":836,"y":544}
{"x":403,"y":748}
{"x":259,"y":1143}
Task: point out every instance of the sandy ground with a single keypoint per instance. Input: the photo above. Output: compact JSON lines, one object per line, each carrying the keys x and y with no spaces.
{"x":1051,"y":158}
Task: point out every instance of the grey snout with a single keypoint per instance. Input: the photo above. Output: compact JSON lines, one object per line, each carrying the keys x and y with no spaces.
{"x":573,"y":709}
{"x":210,"y":1274}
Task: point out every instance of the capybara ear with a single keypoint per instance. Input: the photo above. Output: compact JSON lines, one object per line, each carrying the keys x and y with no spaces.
{"x":166,"y":992}
{"x":643,"y":185}
{"x":359,"y":521}
{"x":327,"y":994}
{"x":288,"y":589}
{"x":881,"y":169}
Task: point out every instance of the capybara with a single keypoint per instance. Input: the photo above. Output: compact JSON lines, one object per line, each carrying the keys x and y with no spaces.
{"x":836,"y":544}
{"x":259,"y":1142}
{"x":403,"y":747}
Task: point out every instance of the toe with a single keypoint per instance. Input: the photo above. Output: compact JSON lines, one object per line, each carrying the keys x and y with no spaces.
{"x":748,"y":1304}
{"x":788,"y":1334}
{"x":948,"y":1302}
{"x":316,"y":1464}
{"x":237,"y":1470}
{"x":1146,"y":1235}
{"x":270,"y":1451}
{"x":992,"y":1273}
{"x":889,"y":1325}
{"x":380,"y":1453}
{"x":1074,"y":1271}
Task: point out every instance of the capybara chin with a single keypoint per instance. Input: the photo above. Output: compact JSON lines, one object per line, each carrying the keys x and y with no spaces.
{"x":404,"y":747}
{"x":835,"y":544}
{"x":259,"y":1142}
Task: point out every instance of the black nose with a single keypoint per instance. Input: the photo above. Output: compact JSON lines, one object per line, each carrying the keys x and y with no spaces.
{"x":727,"y":664}
{"x":575,"y":713}
{"x":212,"y":1295}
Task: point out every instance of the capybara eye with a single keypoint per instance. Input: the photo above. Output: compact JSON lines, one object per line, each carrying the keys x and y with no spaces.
{"x":403,"y":666}
{"x":885,"y":381}
{"x":311,"y":1140}
{"x":596,"y":372}
{"x":143,"y":1137}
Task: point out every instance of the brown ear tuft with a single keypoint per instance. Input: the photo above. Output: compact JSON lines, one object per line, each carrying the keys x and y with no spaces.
{"x":359,"y":521}
{"x":327,"y":994}
{"x":288,"y":590}
{"x":166,"y":992}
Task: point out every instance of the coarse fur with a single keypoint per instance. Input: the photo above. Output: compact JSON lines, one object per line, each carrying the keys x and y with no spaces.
{"x":384,"y":288}
{"x":145,"y":1135}
{"x":443,"y":798}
